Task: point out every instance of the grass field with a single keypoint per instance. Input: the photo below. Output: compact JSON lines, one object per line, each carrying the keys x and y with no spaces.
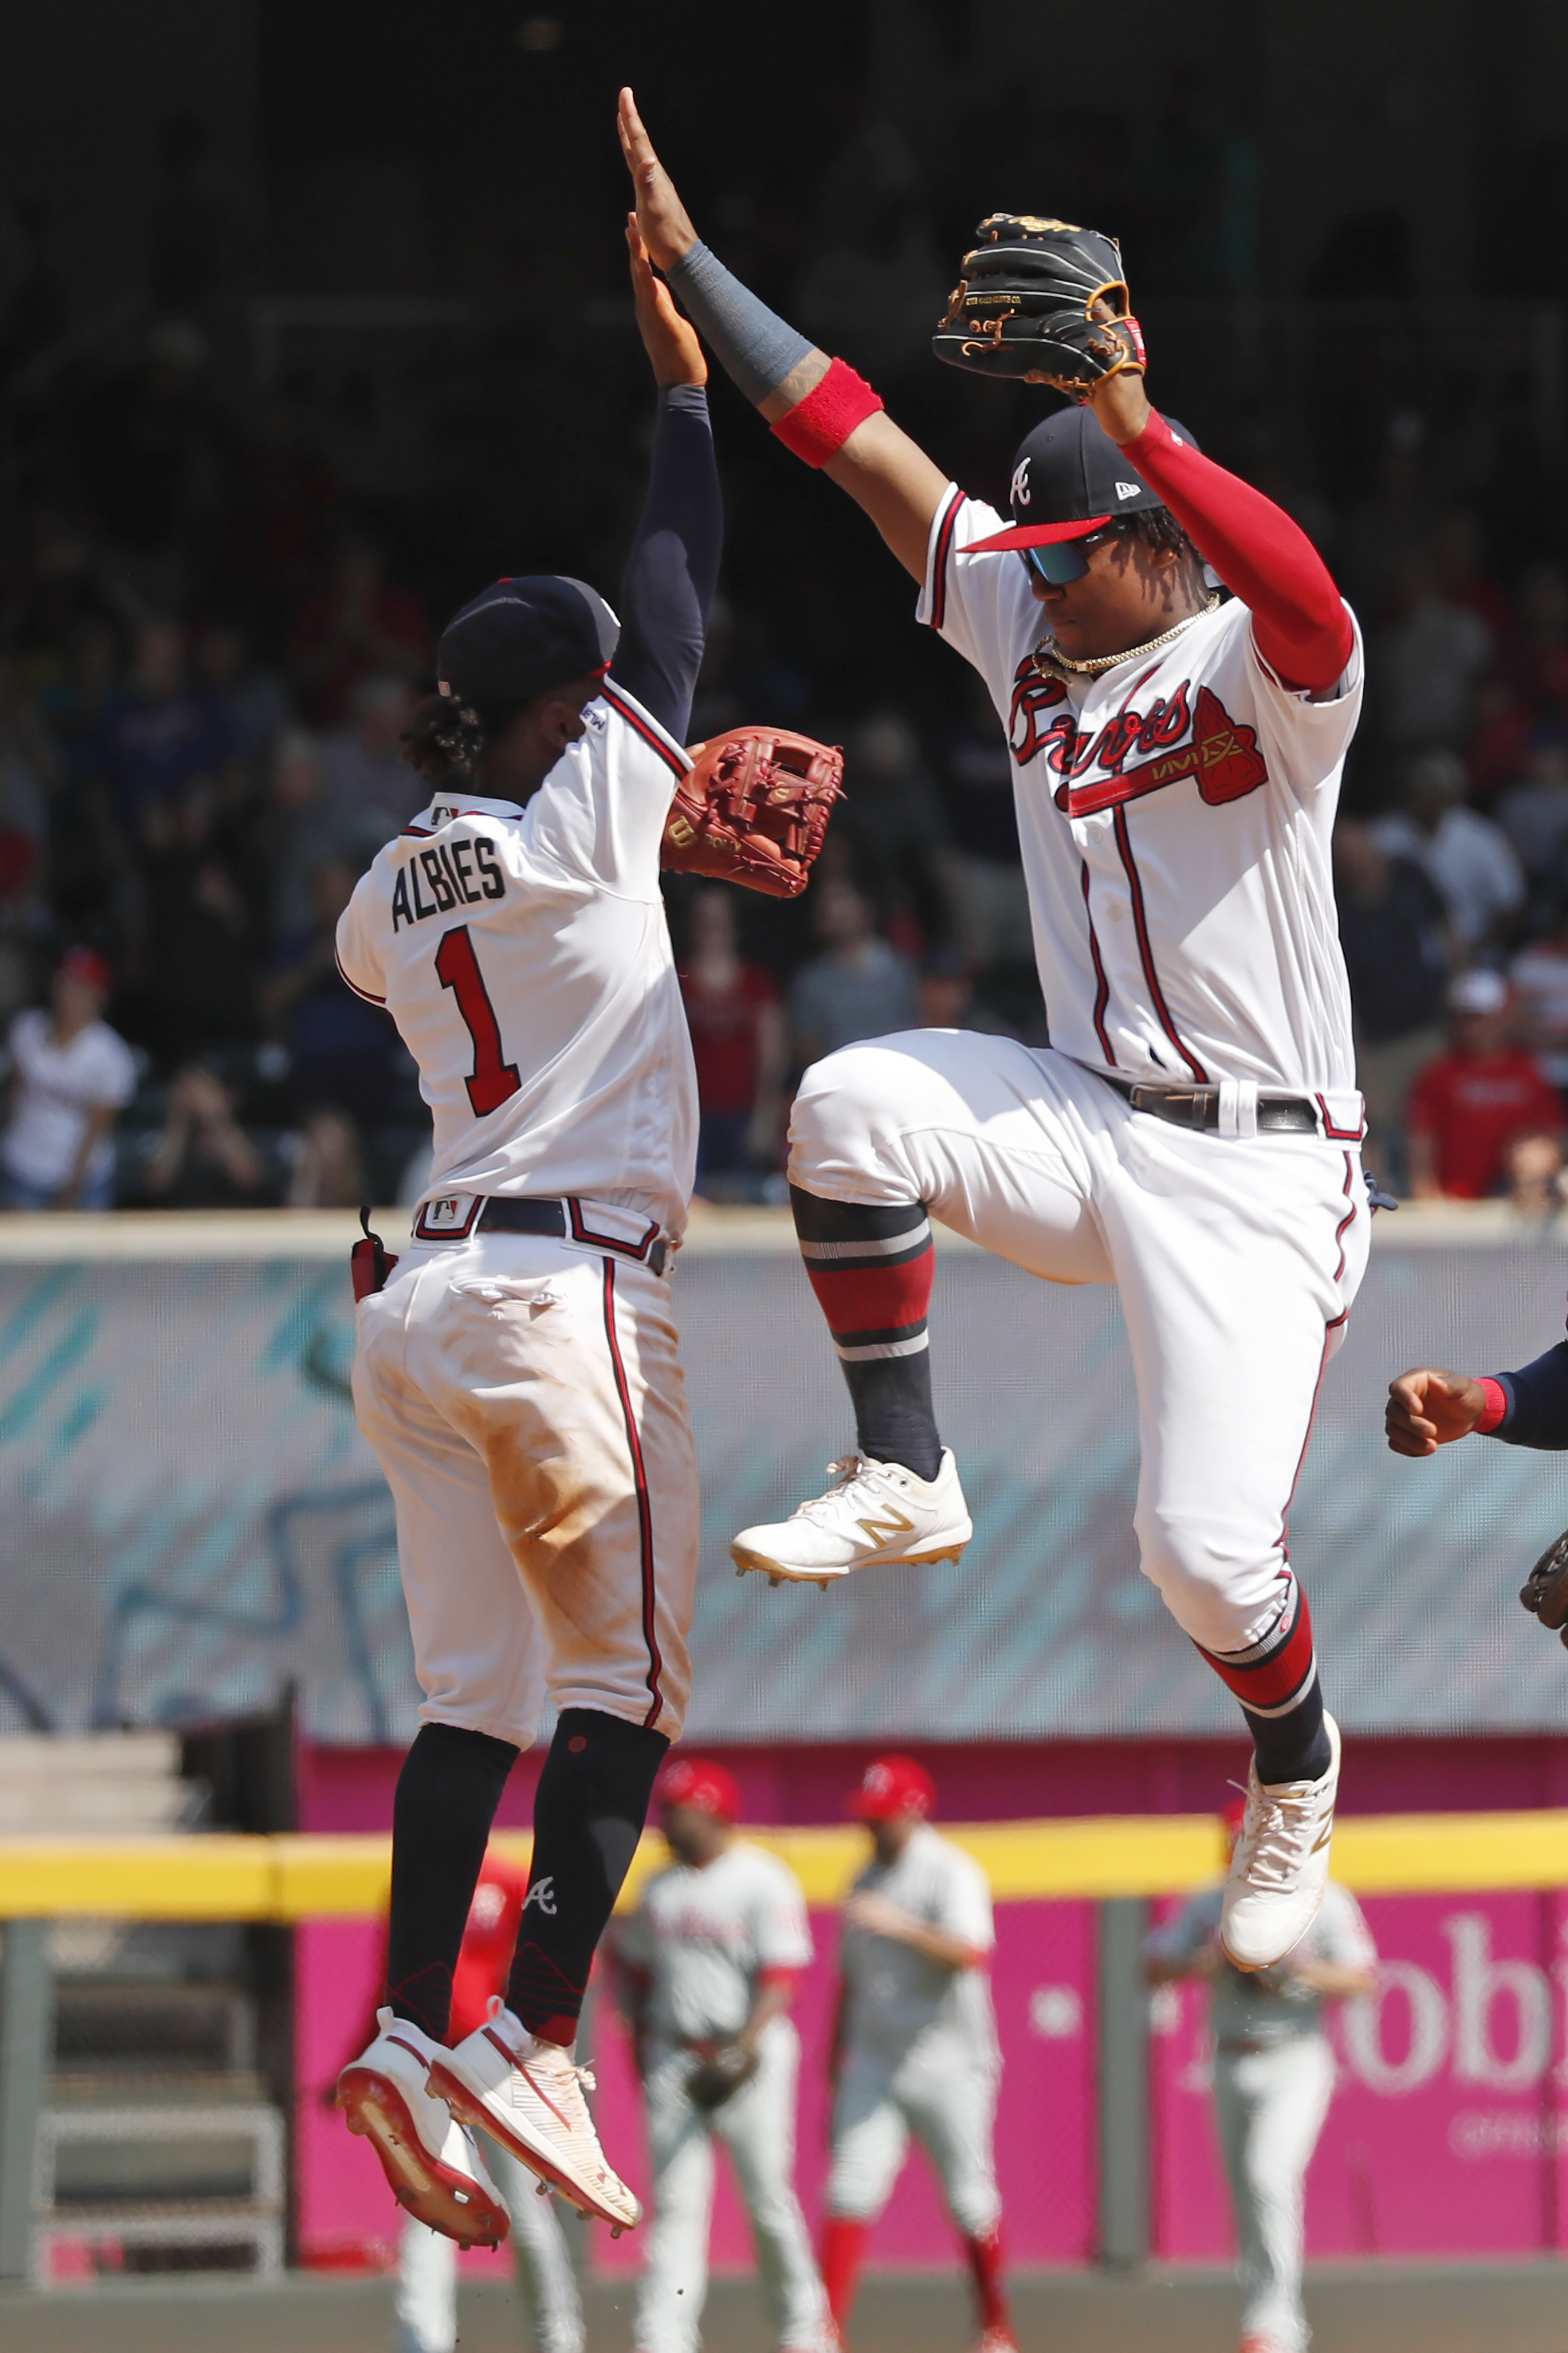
{"x":1475,"y":2308}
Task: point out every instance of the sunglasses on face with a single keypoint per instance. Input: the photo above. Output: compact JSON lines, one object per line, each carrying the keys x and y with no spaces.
{"x":1062,"y":560}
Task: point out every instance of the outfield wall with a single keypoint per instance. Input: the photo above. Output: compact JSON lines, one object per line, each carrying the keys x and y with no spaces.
{"x":189,"y":1520}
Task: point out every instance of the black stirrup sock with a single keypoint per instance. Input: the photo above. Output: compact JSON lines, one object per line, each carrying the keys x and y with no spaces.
{"x":588,"y":1815}
{"x":447,"y":1793}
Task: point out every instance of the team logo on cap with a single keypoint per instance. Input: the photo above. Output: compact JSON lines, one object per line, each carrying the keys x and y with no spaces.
{"x":1019,"y":495}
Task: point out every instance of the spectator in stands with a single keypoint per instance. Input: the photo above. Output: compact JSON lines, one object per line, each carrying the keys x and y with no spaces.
{"x":858,"y":988}
{"x":1537,"y":663}
{"x":1540,"y":978}
{"x":162,"y":734}
{"x":344,"y":1052}
{"x":1533,"y":811}
{"x":152,"y":447}
{"x":1465,"y":854}
{"x":1478,"y":1098}
{"x":895,"y":821}
{"x":358,"y":627}
{"x":70,"y":1073}
{"x":738,"y":1038}
{"x":255,"y":703}
{"x":204,"y":1158}
{"x":992,"y":903}
{"x":1532,"y":1176}
{"x":329,"y":1172}
{"x":302,"y":835}
{"x":202,"y":933}
{"x":1393,"y":929}
{"x":1455,"y":552}
{"x":1424,"y":667}
{"x":369,"y":790}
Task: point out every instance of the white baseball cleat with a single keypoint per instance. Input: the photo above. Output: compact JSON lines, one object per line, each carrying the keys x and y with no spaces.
{"x":874,"y":1515}
{"x":528,"y":2095}
{"x":435,"y":2172}
{"x":1281,"y":1866}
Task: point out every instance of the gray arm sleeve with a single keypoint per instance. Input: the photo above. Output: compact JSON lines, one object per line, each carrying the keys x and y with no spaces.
{"x":755,"y":348}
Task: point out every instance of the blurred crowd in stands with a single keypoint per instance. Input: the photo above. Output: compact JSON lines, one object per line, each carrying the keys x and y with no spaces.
{"x":210,"y":643}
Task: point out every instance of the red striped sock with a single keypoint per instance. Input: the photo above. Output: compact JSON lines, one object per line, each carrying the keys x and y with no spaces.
{"x":1276,"y":1680}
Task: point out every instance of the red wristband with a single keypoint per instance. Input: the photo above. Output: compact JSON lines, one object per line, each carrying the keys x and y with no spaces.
{"x":817,"y":426}
{"x":1496,"y":1406}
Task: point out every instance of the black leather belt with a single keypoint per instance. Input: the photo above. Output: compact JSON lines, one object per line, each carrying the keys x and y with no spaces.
{"x":503,"y":1214}
{"x":1198,"y":1107}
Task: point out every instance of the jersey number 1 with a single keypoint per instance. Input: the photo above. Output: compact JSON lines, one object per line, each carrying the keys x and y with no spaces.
{"x":457,"y":969}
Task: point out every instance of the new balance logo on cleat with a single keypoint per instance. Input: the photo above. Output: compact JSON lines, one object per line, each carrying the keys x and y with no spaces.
{"x":876,"y":1514}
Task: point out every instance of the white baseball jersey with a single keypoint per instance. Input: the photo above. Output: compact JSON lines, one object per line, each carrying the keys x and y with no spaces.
{"x":897,"y":1999}
{"x":705,"y":1936}
{"x":524,"y":955}
{"x":1268,"y":2005}
{"x":1175,"y":816}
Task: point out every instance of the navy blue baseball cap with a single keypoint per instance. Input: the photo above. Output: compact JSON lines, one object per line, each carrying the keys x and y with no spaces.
{"x":522,"y":636}
{"x":1068,"y":478}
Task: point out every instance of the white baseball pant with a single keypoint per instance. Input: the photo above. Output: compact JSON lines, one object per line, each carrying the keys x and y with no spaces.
{"x":948,"y":2106}
{"x":756,"y":2124}
{"x":525,"y":1400}
{"x":426,"y":2299}
{"x":1270,"y":2105}
{"x":1235,"y":1256}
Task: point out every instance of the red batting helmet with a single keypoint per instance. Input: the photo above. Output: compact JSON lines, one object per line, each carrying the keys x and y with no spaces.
{"x":892,"y":1786}
{"x":708,"y":1788}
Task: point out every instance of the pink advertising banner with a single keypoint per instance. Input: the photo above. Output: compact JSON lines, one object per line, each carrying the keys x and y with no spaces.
{"x":1448,"y":2133}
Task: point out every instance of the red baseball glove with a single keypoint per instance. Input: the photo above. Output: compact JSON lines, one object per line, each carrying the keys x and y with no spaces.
{"x":753,"y":809}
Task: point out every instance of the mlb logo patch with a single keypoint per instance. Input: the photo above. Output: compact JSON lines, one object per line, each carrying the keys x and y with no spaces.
{"x":447,"y":1215}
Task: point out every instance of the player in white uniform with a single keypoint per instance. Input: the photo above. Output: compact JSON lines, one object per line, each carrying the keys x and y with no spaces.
{"x":916,"y":2048}
{"x":711,"y":1958}
{"x":1273,"y":2080}
{"x":1191,"y":1134}
{"x":517,"y":1376}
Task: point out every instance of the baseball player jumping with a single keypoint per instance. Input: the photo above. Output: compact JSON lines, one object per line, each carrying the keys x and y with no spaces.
{"x":710,"y":1959}
{"x":517,"y":1376}
{"x":916,"y":2047}
{"x":1192,"y":1132}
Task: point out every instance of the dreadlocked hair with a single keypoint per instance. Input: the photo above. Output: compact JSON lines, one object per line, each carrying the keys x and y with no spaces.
{"x":447,"y":739}
{"x":1157,"y":527}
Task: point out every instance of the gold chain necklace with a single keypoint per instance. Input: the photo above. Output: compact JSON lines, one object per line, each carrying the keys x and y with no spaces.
{"x":1096,"y":663}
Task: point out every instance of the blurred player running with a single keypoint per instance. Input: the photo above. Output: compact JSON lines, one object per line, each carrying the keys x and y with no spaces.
{"x":517,"y":1376}
{"x":711,"y":1957}
{"x":1192,"y":1135}
{"x":916,"y":2049}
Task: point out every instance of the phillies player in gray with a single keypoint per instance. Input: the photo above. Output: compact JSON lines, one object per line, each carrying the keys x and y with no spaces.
{"x":518,"y":1374}
{"x":710,"y":1959}
{"x":915,"y":2050}
{"x":1191,"y":1134}
{"x":1273,"y":2080}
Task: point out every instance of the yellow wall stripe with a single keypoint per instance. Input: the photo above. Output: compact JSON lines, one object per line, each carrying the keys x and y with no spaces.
{"x":320,"y":1877}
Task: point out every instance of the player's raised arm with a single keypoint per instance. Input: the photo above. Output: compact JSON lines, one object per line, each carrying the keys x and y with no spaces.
{"x":673,"y":568}
{"x":818,"y":407}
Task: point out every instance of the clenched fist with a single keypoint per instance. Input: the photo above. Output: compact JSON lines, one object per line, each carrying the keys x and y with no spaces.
{"x":1428,"y":1408}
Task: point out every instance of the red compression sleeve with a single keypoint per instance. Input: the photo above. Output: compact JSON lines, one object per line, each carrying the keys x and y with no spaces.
{"x":1301,"y":628}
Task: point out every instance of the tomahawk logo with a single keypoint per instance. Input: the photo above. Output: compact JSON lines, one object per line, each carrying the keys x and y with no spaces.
{"x":1019,"y":493}
{"x":542,"y":1892}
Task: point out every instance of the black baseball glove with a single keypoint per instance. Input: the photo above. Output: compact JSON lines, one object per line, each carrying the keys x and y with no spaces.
{"x":1044,"y":300}
{"x":713,"y":2081}
{"x":1545,"y":1591}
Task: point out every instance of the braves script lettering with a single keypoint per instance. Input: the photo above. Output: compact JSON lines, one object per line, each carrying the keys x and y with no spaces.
{"x":1181,"y":734}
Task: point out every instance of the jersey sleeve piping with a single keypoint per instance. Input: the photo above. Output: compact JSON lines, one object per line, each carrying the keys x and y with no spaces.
{"x":350,"y":982}
{"x":676,"y":757}
{"x":945,"y":522}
